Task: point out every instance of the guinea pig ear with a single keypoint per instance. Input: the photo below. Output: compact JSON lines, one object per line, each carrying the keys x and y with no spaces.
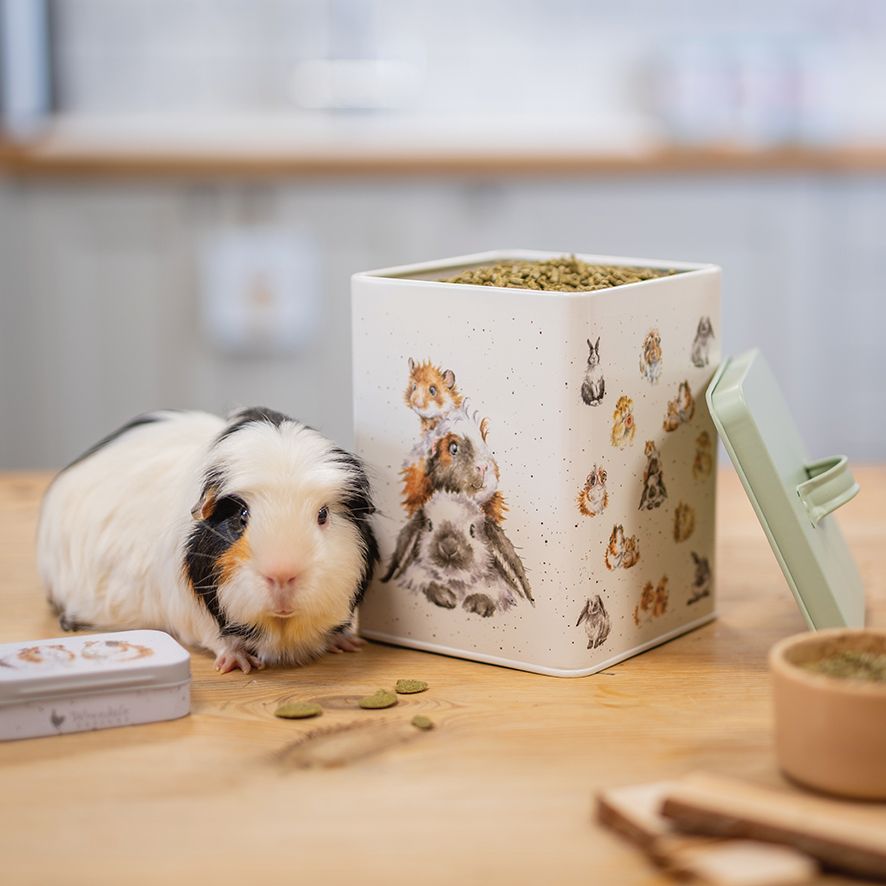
{"x":204,"y":508}
{"x":411,"y":364}
{"x":449,"y":378}
{"x":484,"y":428}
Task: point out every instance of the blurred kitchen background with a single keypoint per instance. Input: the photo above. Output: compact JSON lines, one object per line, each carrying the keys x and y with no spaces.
{"x":186,"y":187}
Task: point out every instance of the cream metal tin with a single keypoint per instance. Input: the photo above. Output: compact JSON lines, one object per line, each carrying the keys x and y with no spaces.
{"x":610,"y":503}
{"x":85,"y":682}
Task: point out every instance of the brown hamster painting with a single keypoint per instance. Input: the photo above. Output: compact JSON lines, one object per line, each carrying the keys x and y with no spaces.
{"x":431,"y":392}
{"x":621,"y":552}
{"x":653,"y":601}
{"x":680,"y":409}
{"x":654,"y":490}
{"x":703,"y":463}
{"x":684,"y":522}
{"x":593,"y":498}
{"x":623,"y":427}
{"x":650,"y":357}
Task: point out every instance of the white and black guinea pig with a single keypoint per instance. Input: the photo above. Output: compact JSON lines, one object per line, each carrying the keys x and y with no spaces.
{"x":250,"y":537}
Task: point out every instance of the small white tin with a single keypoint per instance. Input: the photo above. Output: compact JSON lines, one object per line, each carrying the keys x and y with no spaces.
{"x":85,"y":682}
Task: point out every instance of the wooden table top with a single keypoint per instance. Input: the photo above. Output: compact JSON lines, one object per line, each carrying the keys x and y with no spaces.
{"x":500,"y":792}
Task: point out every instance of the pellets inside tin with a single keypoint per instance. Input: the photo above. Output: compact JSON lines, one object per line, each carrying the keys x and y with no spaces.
{"x":564,"y":274}
{"x":410,"y":687}
{"x":383,"y":698}
{"x":851,"y":665}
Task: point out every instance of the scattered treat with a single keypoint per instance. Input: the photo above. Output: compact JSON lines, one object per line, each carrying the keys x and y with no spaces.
{"x":564,"y":274}
{"x":410,"y":687}
{"x":851,"y":665}
{"x":420,"y":721}
{"x":825,"y":829}
{"x":298,"y":710}
{"x":383,"y":698}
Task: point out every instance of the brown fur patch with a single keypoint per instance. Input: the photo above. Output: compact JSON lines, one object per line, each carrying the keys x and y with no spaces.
{"x":231,"y":560}
{"x":496,"y":508}
{"x":416,"y":486}
{"x":424,"y":376}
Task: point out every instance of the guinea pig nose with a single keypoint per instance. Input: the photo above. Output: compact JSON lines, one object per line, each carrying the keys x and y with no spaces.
{"x":280,"y":578}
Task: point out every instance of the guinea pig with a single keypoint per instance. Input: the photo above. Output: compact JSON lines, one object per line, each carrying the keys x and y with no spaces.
{"x":249,"y":536}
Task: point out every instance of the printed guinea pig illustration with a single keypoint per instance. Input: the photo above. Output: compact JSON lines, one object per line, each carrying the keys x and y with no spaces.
{"x":701,"y":344}
{"x":701,"y":582}
{"x":455,"y":457}
{"x":48,"y":654}
{"x":684,"y":522}
{"x":680,"y":409}
{"x":703,"y":463}
{"x":653,"y":601}
{"x":248,"y":536}
{"x":593,"y":388}
{"x":594,"y":498}
{"x":431,"y":392}
{"x":596,"y":620}
{"x":623,"y":427}
{"x":454,"y":554}
{"x":654,"y":491}
{"x":650,"y":357}
{"x":114,"y":650}
{"x":621,"y":552}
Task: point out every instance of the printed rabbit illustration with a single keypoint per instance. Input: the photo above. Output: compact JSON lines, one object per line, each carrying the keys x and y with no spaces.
{"x":650,"y":357}
{"x":621,"y":552}
{"x":454,"y":554}
{"x":654,"y":491}
{"x":596,"y":621}
{"x":680,"y":409}
{"x":701,"y":344}
{"x":701,"y":583}
{"x":623,"y":428}
{"x":703,"y":463}
{"x":593,"y":388}
{"x":594,"y":498}
{"x":684,"y":522}
{"x":653,"y":601}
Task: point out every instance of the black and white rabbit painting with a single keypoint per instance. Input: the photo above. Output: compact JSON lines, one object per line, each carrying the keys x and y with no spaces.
{"x":596,"y":620}
{"x":593,"y":388}
{"x":701,"y":344}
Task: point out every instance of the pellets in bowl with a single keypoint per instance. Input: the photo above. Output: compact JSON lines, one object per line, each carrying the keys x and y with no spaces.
{"x":851,"y":665}
{"x":383,"y":698}
{"x":298,"y":710}
{"x":410,"y":687}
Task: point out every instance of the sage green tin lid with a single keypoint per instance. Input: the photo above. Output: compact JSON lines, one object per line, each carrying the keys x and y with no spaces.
{"x":792,"y":495}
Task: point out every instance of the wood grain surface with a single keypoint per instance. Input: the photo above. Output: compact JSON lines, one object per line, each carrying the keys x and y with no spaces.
{"x":499,"y":792}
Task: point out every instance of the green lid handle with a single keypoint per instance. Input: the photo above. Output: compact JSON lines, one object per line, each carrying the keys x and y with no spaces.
{"x":829,"y":486}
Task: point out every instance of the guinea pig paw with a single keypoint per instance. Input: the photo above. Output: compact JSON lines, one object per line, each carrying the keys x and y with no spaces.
{"x":344,"y":641}
{"x":231,"y":659}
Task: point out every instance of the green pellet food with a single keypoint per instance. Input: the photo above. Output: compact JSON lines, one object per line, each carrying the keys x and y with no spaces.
{"x":851,"y":665}
{"x":564,"y":274}
{"x":409,"y":687}
{"x":383,"y":698}
{"x":420,"y":721}
{"x":298,"y":710}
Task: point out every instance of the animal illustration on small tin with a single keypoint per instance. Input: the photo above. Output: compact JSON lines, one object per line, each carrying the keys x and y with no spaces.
{"x":114,"y":650}
{"x":593,"y":388}
{"x":701,"y":582}
{"x":623,"y":427}
{"x":431,"y":392}
{"x":650,"y":357}
{"x":621,"y":552}
{"x":653,"y":601}
{"x":48,"y":654}
{"x":596,"y":620}
{"x":654,"y":490}
{"x":684,"y":521}
{"x":703,"y":463}
{"x":593,"y":498}
{"x":701,"y":344}
{"x":454,"y":554}
{"x":680,"y":409}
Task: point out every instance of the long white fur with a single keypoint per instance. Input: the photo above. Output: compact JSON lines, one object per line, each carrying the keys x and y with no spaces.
{"x":113,"y":530}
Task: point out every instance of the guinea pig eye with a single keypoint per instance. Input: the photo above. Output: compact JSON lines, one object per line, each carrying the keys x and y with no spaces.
{"x":471,"y":530}
{"x":453,"y":448}
{"x":322,"y":515}
{"x":429,"y":526}
{"x":432,"y":390}
{"x":414,"y":388}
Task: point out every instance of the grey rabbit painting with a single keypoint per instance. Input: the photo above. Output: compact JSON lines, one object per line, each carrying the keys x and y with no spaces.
{"x":593,"y":388}
{"x":596,"y":621}
{"x":701,"y":344}
{"x":452,"y":550}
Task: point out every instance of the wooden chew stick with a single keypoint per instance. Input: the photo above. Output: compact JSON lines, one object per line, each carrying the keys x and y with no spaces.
{"x":633,"y":812}
{"x":822,"y":828}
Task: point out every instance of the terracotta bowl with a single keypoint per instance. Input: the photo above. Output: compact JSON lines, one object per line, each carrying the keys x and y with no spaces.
{"x":830,"y":732}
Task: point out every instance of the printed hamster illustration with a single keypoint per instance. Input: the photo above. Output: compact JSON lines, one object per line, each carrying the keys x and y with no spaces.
{"x":621,"y":552}
{"x":684,"y":522}
{"x":623,"y":427}
{"x":701,"y":344}
{"x":45,"y":655}
{"x":452,"y":550}
{"x":454,"y":554}
{"x":596,"y":621}
{"x":703,"y":463}
{"x":650,"y":357}
{"x":431,"y":392}
{"x":680,"y":409}
{"x":653,"y":602}
{"x":593,"y":388}
{"x":114,"y":650}
{"x":593,"y":498}
{"x":654,"y":490}
{"x":701,"y":582}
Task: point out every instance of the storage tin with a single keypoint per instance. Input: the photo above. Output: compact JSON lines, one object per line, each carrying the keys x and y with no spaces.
{"x":85,"y":682}
{"x":584,"y":532}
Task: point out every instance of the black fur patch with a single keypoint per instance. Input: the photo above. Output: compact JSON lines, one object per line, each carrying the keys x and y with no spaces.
{"x":249,"y":416}
{"x":136,"y":422}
